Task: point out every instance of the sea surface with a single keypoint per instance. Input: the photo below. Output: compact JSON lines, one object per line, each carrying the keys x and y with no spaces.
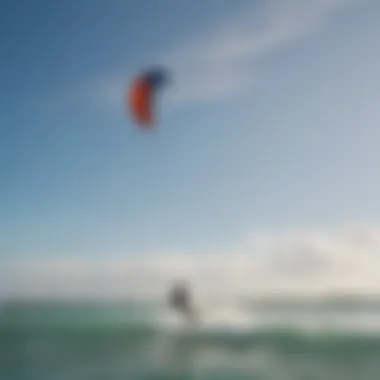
{"x":114,"y":340}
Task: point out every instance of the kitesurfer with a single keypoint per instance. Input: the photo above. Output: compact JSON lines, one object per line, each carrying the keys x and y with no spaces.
{"x":180,"y":300}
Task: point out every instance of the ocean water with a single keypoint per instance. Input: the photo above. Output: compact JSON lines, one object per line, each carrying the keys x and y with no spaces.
{"x":114,"y":340}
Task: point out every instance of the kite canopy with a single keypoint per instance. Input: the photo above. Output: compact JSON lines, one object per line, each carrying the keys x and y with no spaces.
{"x":142,"y":96}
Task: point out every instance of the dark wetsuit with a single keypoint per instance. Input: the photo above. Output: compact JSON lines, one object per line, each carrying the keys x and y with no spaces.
{"x":179,"y":299}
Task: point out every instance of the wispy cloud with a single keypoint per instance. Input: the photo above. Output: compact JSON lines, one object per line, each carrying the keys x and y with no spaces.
{"x":223,"y":63}
{"x":345,"y":260}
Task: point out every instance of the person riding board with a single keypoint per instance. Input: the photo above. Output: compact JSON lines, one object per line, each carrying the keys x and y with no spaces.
{"x":180,"y":300}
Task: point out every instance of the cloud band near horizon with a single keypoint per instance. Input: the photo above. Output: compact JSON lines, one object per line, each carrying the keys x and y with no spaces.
{"x":295,"y":262}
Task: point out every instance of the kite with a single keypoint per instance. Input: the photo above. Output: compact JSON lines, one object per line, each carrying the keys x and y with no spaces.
{"x":142,"y":95}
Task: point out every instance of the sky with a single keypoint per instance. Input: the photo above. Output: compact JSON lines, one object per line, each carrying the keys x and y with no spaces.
{"x":265,"y":155}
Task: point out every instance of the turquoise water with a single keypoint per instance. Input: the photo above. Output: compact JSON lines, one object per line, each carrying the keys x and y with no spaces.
{"x":78,"y":340}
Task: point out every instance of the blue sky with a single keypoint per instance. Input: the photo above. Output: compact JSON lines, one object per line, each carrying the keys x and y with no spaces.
{"x":271,"y":123}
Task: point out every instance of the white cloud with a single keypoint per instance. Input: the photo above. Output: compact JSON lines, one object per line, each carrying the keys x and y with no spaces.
{"x":345,"y":260}
{"x":223,"y":63}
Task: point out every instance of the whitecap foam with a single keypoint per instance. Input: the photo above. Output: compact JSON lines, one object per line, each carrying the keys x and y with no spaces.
{"x":225,"y":317}
{"x":232,"y":318}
